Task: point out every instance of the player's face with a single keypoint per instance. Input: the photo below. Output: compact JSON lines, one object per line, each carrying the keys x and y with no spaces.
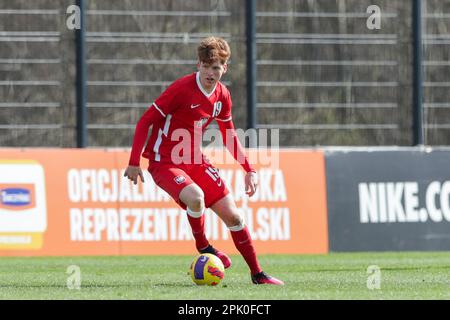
{"x":210,"y":73}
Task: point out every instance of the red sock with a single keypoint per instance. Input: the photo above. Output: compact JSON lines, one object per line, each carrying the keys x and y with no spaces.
{"x":243,"y":242}
{"x":198,"y":231}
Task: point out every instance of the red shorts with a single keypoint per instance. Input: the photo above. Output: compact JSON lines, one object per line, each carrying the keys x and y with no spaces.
{"x":173,"y":178}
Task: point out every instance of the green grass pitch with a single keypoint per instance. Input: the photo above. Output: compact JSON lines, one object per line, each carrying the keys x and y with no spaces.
{"x":403,"y":275}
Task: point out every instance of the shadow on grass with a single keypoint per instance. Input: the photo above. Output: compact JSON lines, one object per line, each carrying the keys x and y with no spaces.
{"x":94,"y":285}
{"x":381,"y":267}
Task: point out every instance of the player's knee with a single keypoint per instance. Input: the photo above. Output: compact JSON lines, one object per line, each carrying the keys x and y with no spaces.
{"x":236,"y":223}
{"x":197,"y":202}
{"x":193,"y":197}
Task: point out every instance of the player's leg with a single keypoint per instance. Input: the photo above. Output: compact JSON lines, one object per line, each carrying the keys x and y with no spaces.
{"x":207,"y":178}
{"x":194,"y":199}
{"x":179,"y":185}
{"x":193,"y":196}
{"x":226,"y":209}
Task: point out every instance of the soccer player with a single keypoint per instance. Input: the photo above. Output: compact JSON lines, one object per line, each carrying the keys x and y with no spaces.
{"x":179,"y":116}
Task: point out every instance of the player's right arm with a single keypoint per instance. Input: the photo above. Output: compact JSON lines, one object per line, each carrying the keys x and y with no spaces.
{"x":140,"y":137}
{"x":166,"y":103}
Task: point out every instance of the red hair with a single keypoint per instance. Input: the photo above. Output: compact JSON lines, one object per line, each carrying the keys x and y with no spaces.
{"x":213,"y":49}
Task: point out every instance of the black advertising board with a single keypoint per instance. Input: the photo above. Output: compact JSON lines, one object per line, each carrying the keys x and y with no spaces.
{"x":382,"y":200}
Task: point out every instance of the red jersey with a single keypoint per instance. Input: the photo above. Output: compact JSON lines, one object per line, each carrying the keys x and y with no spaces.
{"x":185,"y":105}
{"x":179,"y":116}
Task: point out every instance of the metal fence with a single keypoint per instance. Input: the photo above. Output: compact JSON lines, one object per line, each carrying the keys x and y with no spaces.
{"x":436,"y":56}
{"x":323,"y":77}
{"x":135,"y":50}
{"x":327,"y":79}
{"x":31,"y":72}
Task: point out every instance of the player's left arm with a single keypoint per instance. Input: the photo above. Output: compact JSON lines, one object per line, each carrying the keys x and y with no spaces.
{"x":234,"y":146}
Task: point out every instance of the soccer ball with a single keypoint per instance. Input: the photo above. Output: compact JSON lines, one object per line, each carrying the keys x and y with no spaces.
{"x":207,"y":269}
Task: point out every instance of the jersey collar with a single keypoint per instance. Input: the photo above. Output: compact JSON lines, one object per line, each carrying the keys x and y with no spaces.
{"x":199,"y":84}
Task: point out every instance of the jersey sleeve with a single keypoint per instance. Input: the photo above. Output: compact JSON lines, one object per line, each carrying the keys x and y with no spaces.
{"x":140,"y":136}
{"x":167,"y":102}
{"x":225,"y":113}
{"x":231,"y":142}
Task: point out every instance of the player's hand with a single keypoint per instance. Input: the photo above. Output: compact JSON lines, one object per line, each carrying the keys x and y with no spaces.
{"x":133,"y":173}
{"x":251,"y":183}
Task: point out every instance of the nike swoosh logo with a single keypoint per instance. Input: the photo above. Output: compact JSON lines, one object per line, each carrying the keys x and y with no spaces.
{"x":194,"y":105}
